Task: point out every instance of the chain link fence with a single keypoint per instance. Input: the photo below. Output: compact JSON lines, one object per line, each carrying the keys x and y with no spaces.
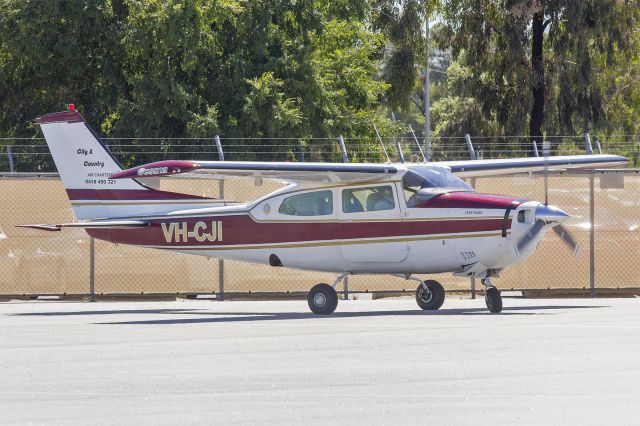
{"x":37,"y":263}
{"x":32,"y":154}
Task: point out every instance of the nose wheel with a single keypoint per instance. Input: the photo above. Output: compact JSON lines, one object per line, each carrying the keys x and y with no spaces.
{"x":492,"y":297}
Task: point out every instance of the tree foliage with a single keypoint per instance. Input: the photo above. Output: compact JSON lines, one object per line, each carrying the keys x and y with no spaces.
{"x":302,"y":69}
{"x":142,"y":68}
{"x":536,"y":61}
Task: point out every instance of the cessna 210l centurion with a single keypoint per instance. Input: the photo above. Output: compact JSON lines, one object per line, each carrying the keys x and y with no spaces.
{"x":398,"y":219}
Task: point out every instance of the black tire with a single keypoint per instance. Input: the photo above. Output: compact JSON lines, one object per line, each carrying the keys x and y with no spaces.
{"x":322,"y":299}
{"x":434,"y":299}
{"x":493,"y":300}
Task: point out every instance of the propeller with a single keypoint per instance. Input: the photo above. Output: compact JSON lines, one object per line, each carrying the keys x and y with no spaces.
{"x":546,"y":215}
{"x":567,"y":238}
{"x":531,"y":235}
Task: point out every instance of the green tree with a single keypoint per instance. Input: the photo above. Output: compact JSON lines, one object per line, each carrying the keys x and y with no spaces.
{"x":529,"y":53}
{"x":53,"y":53}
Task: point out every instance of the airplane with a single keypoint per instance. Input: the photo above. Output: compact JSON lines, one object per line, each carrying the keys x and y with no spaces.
{"x":399,"y":219}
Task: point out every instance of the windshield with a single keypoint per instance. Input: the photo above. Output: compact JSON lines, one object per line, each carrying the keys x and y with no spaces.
{"x":424,"y":182}
{"x":433,"y":177}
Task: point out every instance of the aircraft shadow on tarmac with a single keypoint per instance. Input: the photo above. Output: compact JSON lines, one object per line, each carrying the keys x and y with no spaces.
{"x":206,"y":316}
{"x":105,"y":312}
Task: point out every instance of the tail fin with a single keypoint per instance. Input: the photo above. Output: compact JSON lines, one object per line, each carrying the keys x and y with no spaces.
{"x":85,"y":165}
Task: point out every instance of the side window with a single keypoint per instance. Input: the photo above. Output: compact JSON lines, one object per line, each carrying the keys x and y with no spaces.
{"x":319,"y":203}
{"x":367,"y":199}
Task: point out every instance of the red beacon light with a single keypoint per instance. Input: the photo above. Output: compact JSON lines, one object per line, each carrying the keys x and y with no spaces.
{"x":72,"y":107}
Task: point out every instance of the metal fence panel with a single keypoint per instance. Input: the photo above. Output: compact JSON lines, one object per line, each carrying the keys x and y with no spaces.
{"x":40,"y":262}
{"x":34,"y":262}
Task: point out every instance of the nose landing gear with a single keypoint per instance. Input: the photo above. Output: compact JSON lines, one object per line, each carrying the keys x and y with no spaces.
{"x":492,"y":297}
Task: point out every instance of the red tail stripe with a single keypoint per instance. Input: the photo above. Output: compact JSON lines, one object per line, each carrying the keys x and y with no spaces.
{"x":61,"y":117}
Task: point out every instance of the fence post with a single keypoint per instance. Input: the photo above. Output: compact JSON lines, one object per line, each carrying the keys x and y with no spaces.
{"x":345,"y":159}
{"x":400,"y":152}
{"x":219,"y":146}
{"x":587,"y":142}
{"x":345,"y":287}
{"x":473,"y":279}
{"x":473,"y":287}
{"x":10,"y":155}
{"x":220,"y":295}
{"x":92,"y":289}
{"x":472,"y":153}
{"x":417,"y":144}
{"x":592,"y":235}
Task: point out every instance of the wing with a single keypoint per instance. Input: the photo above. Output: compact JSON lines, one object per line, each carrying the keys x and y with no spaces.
{"x":341,"y":172}
{"x":281,"y":171}
{"x":474,"y":168}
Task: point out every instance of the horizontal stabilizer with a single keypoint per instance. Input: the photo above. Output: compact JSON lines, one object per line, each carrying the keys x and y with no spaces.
{"x":89,"y":225}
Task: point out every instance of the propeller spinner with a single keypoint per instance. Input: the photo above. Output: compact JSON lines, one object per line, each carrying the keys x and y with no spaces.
{"x":549,"y":216}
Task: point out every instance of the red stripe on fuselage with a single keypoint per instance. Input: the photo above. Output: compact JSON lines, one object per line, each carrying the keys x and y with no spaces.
{"x":129,"y":194}
{"x":242,"y":229}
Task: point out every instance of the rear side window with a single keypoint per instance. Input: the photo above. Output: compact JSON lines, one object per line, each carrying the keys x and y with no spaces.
{"x":370,"y":199}
{"x":318,"y":203}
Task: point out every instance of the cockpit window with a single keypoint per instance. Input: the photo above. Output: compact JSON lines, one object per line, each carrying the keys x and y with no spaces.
{"x":318,"y":203}
{"x":369,"y":199}
{"x":436,"y":178}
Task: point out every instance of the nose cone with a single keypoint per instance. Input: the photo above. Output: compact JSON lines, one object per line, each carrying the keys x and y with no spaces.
{"x":550,"y":214}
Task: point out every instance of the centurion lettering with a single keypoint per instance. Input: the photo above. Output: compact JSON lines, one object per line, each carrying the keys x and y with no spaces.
{"x":179,"y":232}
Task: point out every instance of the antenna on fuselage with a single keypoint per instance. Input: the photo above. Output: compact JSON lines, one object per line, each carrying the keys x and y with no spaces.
{"x":381,"y":143}
{"x":417,"y":143}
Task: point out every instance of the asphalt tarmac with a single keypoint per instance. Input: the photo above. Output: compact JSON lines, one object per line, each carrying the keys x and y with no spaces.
{"x":567,"y":361}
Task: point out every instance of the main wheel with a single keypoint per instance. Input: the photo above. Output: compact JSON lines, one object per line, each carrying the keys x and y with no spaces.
{"x":493,"y":299}
{"x":433,"y":298}
{"x":323,"y":299}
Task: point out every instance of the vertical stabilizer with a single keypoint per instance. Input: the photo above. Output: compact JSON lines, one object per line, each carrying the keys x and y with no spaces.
{"x":85,"y":165}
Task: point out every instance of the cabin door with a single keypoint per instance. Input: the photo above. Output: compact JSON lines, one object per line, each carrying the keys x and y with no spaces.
{"x":371,"y":224}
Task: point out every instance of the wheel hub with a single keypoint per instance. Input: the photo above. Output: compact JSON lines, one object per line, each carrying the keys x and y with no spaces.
{"x":319,"y":300}
{"x":425,"y":295}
